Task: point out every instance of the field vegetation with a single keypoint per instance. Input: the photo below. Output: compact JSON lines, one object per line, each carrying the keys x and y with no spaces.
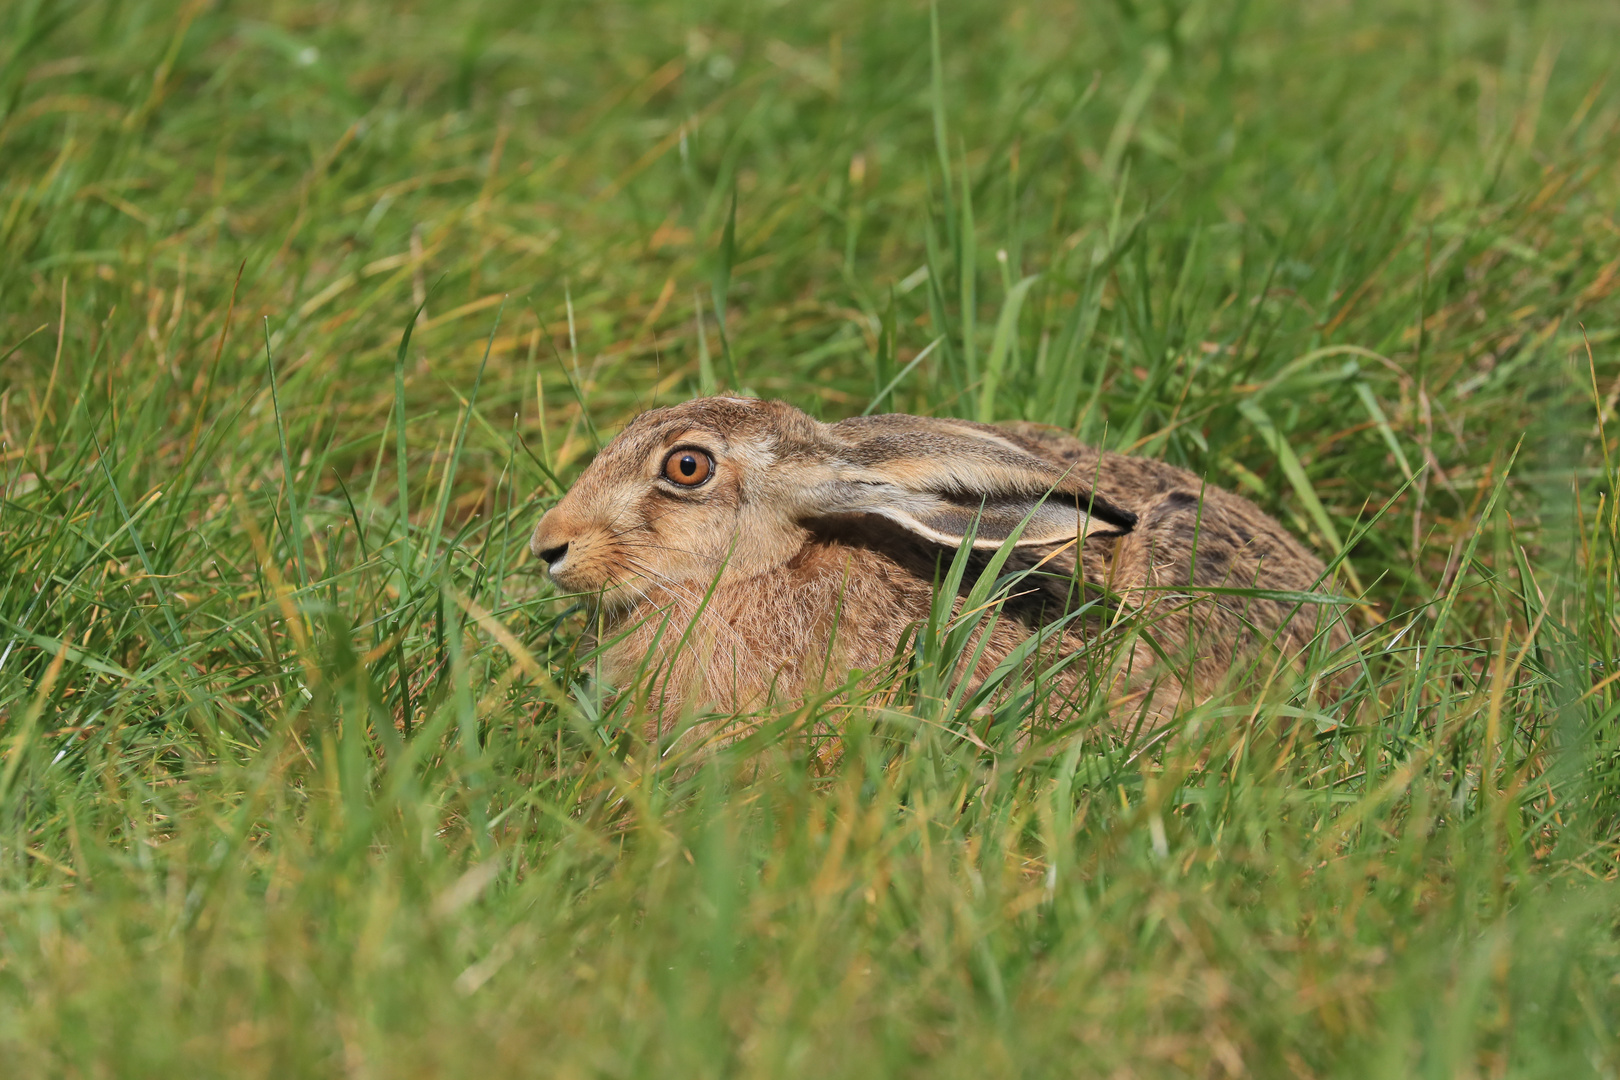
{"x":308,"y":310}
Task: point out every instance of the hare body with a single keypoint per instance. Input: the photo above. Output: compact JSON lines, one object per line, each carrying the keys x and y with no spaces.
{"x":737,"y":551}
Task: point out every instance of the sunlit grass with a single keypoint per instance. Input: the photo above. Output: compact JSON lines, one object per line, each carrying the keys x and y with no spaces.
{"x":307,"y":312}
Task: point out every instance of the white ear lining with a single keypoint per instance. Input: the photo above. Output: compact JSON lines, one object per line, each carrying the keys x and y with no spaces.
{"x":1033,"y":535}
{"x":1052,"y":520}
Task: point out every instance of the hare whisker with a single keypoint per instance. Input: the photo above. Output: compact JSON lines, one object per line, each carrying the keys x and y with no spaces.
{"x":640,"y":526}
{"x":672,"y":613}
{"x":648,"y":620}
{"x":690,"y":596}
{"x":630,"y":545}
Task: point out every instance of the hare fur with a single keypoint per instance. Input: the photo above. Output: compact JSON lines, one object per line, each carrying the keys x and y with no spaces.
{"x":741,"y":551}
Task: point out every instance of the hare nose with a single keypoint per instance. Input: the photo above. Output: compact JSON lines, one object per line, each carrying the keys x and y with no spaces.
{"x":546,"y":544}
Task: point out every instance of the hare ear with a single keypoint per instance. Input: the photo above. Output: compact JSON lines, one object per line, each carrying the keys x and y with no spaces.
{"x":940,"y":479}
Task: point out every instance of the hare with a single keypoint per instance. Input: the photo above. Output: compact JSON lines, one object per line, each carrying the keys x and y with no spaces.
{"x":741,"y":551}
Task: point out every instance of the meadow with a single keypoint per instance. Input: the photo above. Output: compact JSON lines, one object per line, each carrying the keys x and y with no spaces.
{"x":309,"y":309}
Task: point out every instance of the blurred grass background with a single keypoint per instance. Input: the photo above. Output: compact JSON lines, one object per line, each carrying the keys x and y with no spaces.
{"x":303,"y":770}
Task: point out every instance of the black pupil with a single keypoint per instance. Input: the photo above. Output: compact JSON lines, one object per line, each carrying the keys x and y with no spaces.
{"x":688,"y":465}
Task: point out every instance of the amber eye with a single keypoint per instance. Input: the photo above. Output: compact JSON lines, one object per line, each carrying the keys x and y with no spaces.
{"x":688,"y":468}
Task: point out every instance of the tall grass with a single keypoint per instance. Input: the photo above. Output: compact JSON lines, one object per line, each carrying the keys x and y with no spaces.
{"x":308,"y":310}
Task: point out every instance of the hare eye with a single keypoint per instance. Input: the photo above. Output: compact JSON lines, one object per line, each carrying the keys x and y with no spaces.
{"x":688,"y":468}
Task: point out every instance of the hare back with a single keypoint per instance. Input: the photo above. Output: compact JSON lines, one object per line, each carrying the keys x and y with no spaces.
{"x":1190,"y":533}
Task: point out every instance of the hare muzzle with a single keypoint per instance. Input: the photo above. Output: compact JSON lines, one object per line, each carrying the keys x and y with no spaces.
{"x":551,"y":543}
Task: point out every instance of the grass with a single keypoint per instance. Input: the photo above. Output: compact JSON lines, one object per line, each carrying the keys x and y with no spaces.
{"x":307,"y":310}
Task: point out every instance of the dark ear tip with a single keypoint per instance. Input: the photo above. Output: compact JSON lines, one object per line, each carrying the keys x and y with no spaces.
{"x":1102,"y":510}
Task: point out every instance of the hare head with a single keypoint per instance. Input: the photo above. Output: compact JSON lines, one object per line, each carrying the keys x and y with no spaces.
{"x":723,"y":489}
